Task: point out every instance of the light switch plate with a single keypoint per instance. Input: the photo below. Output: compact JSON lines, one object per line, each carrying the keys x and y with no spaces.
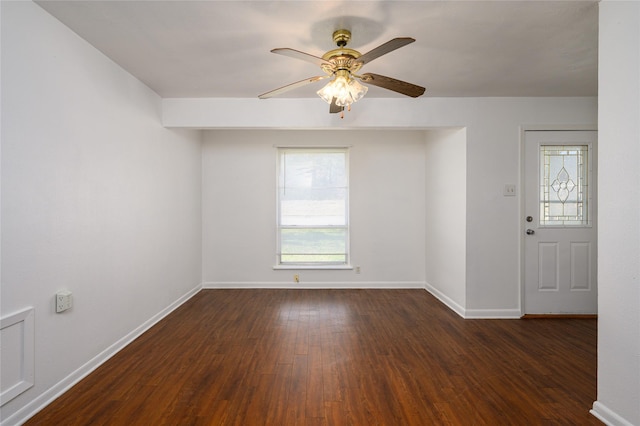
{"x":509,"y":190}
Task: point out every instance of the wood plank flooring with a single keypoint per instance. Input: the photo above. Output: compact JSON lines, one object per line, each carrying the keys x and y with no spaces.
{"x":339,"y":357}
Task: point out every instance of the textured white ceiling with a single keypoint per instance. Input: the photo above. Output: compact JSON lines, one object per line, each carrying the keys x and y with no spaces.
{"x":222,"y":48}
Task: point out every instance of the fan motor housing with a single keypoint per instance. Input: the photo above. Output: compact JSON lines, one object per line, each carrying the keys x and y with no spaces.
{"x":343,"y":59}
{"x":342,"y":51}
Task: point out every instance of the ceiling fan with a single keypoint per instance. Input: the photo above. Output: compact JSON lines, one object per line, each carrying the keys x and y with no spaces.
{"x":341,"y":65}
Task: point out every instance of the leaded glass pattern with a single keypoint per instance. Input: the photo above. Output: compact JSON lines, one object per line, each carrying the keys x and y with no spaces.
{"x":564,"y":185}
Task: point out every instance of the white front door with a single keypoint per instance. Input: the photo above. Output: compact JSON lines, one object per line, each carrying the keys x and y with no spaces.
{"x":560,"y":222}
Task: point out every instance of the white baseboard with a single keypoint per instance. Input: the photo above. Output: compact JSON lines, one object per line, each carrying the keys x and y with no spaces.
{"x":65,"y":384}
{"x":608,"y":416}
{"x":493,"y":314}
{"x":450,"y":303}
{"x":313,"y":285}
{"x":473,"y":313}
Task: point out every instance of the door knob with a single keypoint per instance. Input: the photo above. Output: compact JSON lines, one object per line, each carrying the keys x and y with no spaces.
{"x":530,"y":232}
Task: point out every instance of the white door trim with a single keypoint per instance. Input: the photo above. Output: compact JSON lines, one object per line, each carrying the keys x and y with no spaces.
{"x":524,"y":128}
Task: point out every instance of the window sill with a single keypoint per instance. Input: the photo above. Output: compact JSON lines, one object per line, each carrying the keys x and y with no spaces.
{"x":317,"y":267}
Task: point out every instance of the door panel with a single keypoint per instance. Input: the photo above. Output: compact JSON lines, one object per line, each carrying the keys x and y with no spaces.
{"x":580,"y":266}
{"x":560,"y":225}
{"x":548,"y":272}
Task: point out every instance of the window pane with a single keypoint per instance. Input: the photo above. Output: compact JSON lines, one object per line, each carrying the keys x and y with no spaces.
{"x":564,"y":185}
{"x":329,"y":209}
{"x":314,"y":245}
{"x":313,"y":169}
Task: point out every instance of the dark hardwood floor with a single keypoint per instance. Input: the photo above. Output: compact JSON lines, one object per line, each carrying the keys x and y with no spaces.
{"x":339,"y":357}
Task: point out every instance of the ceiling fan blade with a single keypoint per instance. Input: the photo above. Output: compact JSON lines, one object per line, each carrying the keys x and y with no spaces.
{"x":292,"y":86}
{"x":393,"y":84}
{"x":334,"y":109}
{"x":385,"y":48}
{"x":292,"y":53}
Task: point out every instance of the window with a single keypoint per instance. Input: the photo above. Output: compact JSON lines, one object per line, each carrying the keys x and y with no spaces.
{"x":564,"y":185}
{"x":313,"y":207}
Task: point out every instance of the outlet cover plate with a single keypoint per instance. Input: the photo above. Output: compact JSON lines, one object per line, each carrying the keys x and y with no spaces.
{"x":64,"y":301}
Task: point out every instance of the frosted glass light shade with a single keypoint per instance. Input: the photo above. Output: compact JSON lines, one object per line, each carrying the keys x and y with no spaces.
{"x":346,"y":90}
{"x":356,"y":90}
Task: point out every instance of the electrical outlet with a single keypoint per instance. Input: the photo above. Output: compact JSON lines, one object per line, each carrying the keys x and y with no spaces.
{"x":296,"y":278}
{"x":357,"y":269}
{"x":64,"y":301}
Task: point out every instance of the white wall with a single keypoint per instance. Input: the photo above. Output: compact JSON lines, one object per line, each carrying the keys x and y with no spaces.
{"x":387,"y":208}
{"x":493,"y":130}
{"x":97,"y":198}
{"x":619,"y":214}
{"x":446,"y":210}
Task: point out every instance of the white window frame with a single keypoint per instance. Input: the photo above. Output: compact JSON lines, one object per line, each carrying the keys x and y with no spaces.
{"x":312,"y":265}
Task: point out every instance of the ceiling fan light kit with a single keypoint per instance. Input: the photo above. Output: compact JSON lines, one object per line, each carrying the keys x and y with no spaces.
{"x":343,"y":90}
{"x":341,"y":65}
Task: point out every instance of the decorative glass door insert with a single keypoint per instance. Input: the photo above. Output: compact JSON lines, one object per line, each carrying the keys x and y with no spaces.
{"x":564,"y":185}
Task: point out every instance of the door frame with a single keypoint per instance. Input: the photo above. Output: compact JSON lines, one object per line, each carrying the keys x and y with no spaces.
{"x":524,"y":128}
